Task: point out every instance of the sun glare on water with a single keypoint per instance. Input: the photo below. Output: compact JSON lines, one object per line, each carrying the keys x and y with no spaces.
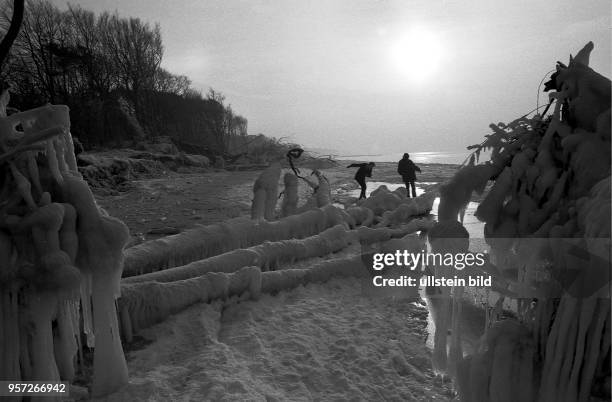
{"x":417,"y":55}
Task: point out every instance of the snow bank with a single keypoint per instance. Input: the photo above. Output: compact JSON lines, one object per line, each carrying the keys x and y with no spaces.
{"x":316,"y":342}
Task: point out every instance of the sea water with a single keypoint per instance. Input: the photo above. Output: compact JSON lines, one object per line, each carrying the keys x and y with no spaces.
{"x":454,"y":158}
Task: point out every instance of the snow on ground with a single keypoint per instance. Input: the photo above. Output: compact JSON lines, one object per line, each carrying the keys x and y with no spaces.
{"x":321,"y":342}
{"x":327,"y":342}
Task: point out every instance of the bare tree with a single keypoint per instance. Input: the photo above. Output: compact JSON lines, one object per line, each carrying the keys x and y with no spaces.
{"x":86,"y":40}
{"x":106,"y":68}
{"x":13,"y":30}
{"x":135,"y":50}
{"x":240,"y":125}
{"x":165,"y":81}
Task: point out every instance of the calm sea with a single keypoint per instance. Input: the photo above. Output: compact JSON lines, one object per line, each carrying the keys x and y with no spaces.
{"x":417,"y":157}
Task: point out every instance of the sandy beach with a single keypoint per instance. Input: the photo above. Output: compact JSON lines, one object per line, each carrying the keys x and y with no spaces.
{"x":164,"y":205}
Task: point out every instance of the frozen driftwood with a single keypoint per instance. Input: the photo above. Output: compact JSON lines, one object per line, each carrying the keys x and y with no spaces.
{"x":206,"y":241}
{"x":270,"y":255}
{"x":150,"y":298}
{"x":143,"y":304}
{"x":266,"y":255}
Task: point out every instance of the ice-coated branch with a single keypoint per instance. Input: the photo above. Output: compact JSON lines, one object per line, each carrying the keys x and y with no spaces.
{"x":206,"y":241}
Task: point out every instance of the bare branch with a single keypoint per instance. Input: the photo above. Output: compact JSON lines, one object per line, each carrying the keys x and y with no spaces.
{"x":11,"y":34}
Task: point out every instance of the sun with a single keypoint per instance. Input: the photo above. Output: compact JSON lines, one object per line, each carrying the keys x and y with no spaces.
{"x":417,"y":55}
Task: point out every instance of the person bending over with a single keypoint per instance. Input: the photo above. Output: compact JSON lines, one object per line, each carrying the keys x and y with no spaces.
{"x":365,"y":170}
{"x":406,"y":168}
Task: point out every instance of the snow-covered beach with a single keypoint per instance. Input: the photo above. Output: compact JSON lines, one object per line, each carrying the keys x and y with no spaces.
{"x":316,"y":342}
{"x":330,"y":341}
{"x":154,"y":248}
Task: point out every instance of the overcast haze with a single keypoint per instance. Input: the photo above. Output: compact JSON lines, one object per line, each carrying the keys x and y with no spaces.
{"x":324,"y":73}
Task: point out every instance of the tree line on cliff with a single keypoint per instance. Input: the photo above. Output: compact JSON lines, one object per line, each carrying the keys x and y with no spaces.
{"x":107,"y":69}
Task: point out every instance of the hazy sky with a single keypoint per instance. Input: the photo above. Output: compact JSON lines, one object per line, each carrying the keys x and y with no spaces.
{"x":378,"y":76}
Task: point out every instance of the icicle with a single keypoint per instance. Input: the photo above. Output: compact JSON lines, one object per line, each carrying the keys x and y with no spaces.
{"x":33,"y":172}
{"x":9,"y":336}
{"x":24,"y":187}
{"x":58,"y":145}
{"x":41,"y":308}
{"x":587,"y":313}
{"x":65,"y":342}
{"x":69,"y":152}
{"x":53,"y":162}
{"x":86,"y":309}
{"x":595,"y":335}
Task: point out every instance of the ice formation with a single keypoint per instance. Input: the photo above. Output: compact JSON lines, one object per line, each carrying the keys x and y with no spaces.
{"x":267,"y":255}
{"x":381,"y":200}
{"x":145,"y":303}
{"x":206,"y":241}
{"x":265,"y":193}
{"x":150,"y":298}
{"x":163,"y":285}
{"x":289,"y":204}
{"x":408,"y":210}
{"x":447,"y":236}
{"x":321,"y":192}
{"x":550,"y":199}
{"x":361,"y":215}
{"x":59,"y":250}
{"x":395,"y":208}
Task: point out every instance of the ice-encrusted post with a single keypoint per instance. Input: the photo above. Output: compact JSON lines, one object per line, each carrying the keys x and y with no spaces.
{"x":290,"y":195}
{"x":265,"y":193}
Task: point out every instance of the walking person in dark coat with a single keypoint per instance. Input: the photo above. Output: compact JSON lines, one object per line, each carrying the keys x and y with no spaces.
{"x":365,"y":170}
{"x":406,"y":168}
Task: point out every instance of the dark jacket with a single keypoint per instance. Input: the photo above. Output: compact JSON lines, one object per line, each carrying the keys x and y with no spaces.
{"x":406,"y":168}
{"x":365,"y":170}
